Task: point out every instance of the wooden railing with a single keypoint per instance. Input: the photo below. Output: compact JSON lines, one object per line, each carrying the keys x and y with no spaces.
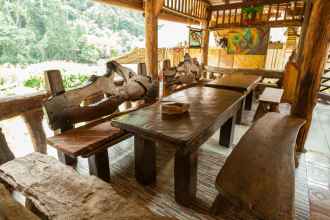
{"x":29,"y":107}
{"x":191,"y":8}
{"x":260,"y":72}
{"x":284,"y":13}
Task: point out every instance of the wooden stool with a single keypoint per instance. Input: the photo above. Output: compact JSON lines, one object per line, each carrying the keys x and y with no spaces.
{"x":269,"y":101}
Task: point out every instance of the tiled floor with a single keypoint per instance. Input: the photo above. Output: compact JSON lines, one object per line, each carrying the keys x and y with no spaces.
{"x":317,"y":154}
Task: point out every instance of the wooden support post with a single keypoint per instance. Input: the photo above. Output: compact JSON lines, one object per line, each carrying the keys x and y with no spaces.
{"x":55,"y":86}
{"x":205,"y":44}
{"x":33,"y":121}
{"x":152,"y":9}
{"x":5,"y":153}
{"x":312,"y":60}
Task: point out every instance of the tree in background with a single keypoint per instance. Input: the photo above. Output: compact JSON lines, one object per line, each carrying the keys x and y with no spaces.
{"x":34,"y":31}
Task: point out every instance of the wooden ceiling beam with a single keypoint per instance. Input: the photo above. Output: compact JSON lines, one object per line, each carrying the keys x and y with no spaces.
{"x":169,"y":16}
{"x":158,"y":7}
{"x":164,"y":14}
{"x":131,"y":4}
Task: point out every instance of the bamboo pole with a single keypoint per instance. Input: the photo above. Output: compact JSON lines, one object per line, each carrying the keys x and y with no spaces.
{"x":312,"y":61}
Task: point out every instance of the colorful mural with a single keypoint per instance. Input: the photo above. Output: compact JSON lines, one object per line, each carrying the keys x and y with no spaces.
{"x":248,"y":41}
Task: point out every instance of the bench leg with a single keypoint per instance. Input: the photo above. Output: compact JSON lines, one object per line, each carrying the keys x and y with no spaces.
{"x":185,"y":173}
{"x":30,"y":206}
{"x":239,"y":116}
{"x":249,"y":101}
{"x":145,"y":160}
{"x":99,"y":165}
{"x":227,"y":132}
{"x":66,"y":159}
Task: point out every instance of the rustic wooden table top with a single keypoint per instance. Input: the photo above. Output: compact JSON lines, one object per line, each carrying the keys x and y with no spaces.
{"x":209,"y":107}
{"x":240,"y":82}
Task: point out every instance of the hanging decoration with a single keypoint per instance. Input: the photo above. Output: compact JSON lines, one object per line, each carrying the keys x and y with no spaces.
{"x":195,"y":38}
{"x":250,"y":14}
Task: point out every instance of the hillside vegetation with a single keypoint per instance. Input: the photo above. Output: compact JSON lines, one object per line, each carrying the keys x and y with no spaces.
{"x":81,"y":31}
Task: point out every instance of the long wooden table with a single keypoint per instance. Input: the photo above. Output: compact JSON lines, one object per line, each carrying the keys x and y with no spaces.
{"x":210,"y":109}
{"x":243,"y":83}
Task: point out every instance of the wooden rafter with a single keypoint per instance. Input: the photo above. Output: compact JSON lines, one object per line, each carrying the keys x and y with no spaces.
{"x":281,"y":13}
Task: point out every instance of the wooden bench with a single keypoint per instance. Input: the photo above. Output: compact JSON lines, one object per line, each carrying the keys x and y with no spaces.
{"x":12,"y":210}
{"x":66,"y":110}
{"x":56,"y":191}
{"x":269,"y":101}
{"x":258,"y":176}
{"x":271,"y":98}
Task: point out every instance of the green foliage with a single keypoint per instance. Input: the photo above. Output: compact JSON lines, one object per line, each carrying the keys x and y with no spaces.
{"x":35,"y":82}
{"x":69,"y":80}
{"x":74,"y":80}
{"x":34,"y":31}
{"x":252,"y":10}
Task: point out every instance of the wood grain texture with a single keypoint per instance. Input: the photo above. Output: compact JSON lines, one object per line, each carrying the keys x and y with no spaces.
{"x":259,"y":173}
{"x":240,"y":82}
{"x":209,"y":109}
{"x":85,"y":140}
{"x":12,"y":210}
{"x":59,"y":192}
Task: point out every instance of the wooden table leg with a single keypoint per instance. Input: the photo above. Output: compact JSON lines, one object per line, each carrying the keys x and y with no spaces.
{"x":185,"y":173}
{"x":249,"y":101}
{"x":145,"y":160}
{"x":227,"y":132}
{"x":99,"y":165}
{"x":66,"y":159}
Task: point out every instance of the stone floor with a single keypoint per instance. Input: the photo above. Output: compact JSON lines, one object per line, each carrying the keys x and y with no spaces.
{"x":317,"y":153}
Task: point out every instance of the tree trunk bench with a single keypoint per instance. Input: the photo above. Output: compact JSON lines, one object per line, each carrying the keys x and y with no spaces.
{"x":12,"y":210}
{"x":56,"y":191}
{"x":258,"y":176}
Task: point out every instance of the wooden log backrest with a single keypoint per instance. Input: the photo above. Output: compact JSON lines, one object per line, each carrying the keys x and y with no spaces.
{"x":259,"y":173}
{"x":289,"y":82}
{"x":66,"y":108}
{"x":59,"y":192}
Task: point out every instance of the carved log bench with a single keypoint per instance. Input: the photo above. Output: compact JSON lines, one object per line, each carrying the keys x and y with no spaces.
{"x":258,"y":176}
{"x":12,"y":210}
{"x":101,"y":97}
{"x":56,"y":191}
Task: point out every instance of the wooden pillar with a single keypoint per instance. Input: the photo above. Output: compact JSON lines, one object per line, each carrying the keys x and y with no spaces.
{"x":311,"y":61}
{"x":33,"y":121}
{"x":152,"y":9}
{"x":205,"y":43}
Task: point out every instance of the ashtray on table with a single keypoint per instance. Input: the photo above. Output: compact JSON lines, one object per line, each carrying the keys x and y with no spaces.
{"x":174,"y":108}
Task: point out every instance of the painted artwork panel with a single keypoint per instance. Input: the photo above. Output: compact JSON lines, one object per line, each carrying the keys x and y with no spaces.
{"x":195,"y":38}
{"x":248,"y":41}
